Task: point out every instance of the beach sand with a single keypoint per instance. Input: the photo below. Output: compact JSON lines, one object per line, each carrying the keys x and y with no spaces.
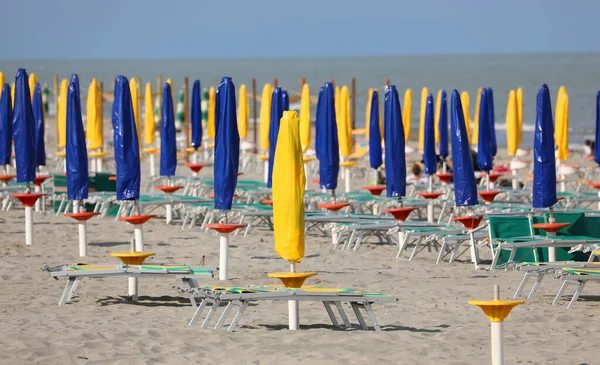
{"x":430,"y":324}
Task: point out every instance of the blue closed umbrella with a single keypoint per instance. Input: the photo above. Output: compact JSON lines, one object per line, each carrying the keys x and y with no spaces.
{"x":429,"y":159}
{"x":127,"y":152}
{"x":75,"y":81}
{"x":597,"y":145}
{"x":484,"y":145}
{"x":375,"y":151}
{"x":286,"y":100}
{"x":544,"y":163}
{"x":492,"y":120}
{"x":227,"y":146}
{"x":443,"y":127}
{"x":76,"y":154}
{"x":6,"y":134}
{"x":327,"y":143}
{"x":465,"y":187}
{"x":393,"y":136}
{"x":168,"y":149}
{"x":277,"y":108}
{"x":38,"y":116}
{"x":23,"y":129}
{"x":196,"y":116}
{"x":317,"y":128}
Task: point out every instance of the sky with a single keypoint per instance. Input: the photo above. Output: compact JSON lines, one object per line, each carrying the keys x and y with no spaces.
{"x":181,"y":29}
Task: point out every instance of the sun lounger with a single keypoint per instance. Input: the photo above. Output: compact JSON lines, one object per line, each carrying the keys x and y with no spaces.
{"x":75,"y":273}
{"x":214,"y":297}
{"x":578,"y":277}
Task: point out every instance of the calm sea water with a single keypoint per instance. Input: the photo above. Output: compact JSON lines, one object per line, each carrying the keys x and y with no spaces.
{"x":580,"y":73}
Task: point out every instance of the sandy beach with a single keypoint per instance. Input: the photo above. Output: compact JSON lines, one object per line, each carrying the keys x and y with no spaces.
{"x":430,"y":324}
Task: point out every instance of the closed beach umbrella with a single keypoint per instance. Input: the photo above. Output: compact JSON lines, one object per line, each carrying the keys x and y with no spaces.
{"x":424,"y":93}
{"x":285,"y":99}
{"x":328,"y":150}
{"x":227,"y":147}
{"x":393,"y":135}
{"x":6,"y":119}
{"x":77,"y":161}
{"x":23,"y":129}
{"x":305,"y":118}
{"x":210,"y":124}
{"x":149,"y":122}
{"x":337,"y":98}
{"x":265,"y":116}
{"x":512,"y":124}
{"x":276,"y":113}
{"x":318,"y":121}
{"x":544,"y":163}
{"x":597,"y":144}
{"x":12,"y":94}
{"x":465,"y":187}
{"x":288,"y":191}
{"x":168,"y":148}
{"x":368,"y":113}
{"x":38,"y":116}
{"x":444,"y":126}
{"x":466,"y":104}
{"x":484,"y":146}
{"x":429,"y":157}
{"x":375,"y":152}
{"x":562,"y":124}
{"x":492,"y":120}
{"x":242,"y":113}
{"x":127,"y":152}
{"x":520,"y":115}
{"x":62,"y":114}
{"x":32,"y":81}
{"x":344,"y":133}
{"x":438,"y":104}
{"x":407,"y":113}
{"x":2,"y":84}
{"x":475,"y":135}
{"x":196,"y":115}
{"x":93,"y":119}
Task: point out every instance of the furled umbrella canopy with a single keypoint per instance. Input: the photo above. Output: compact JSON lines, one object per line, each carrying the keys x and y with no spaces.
{"x":285,"y":100}
{"x":512,"y":124}
{"x":61,"y":115}
{"x":227,"y":147}
{"x":127,"y":153}
{"x":393,"y":132}
{"x":343,"y":126}
{"x":484,"y":145}
{"x":276,"y":113}
{"x":429,"y":157}
{"x":243,"y":111}
{"x":168,"y":147}
{"x":465,"y":186}
{"x":305,"y":118}
{"x":597,"y":144}
{"x":196,"y":115}
{"x":492,"y":120}
{"x":149,"y":122}
{"x":210,"y":124}
{"x":424,"y":93}
{"x":265,"y":117}
{"x":466,"y":102}
{"x":93,"y":117}
{"x":77,"y":161}
{"x":544,"y":163}
{"x":38,"y":116}
{"x":288,"y":190}
{"x":444,"y":126}
{"x":328,"y":150}
{"x":407,"y":113}
{"x":375,"y":152}
{"x":6,"y":119}
{"x":23,"y":129}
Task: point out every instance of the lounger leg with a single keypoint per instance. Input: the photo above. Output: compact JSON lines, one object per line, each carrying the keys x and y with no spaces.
{"x":224,"y":316}
{"x":496,"y":256}
{"x":402,"y":237}
{"x":417,"y":244}
{"x":213,"y":309}
{"x":65,"y":294}
{"x":331,"y":314}
{"x":560,"y":292}
{"x":73,"y":289}
{"x":198,"y":312}
{"x":237,"y":317}
{"x":359,"y":316}
{"x":192,"y":284}
{"x":372,"y":317}
{"x":358,"y":242}
{"x":521,"y":286}
{"x":340,"y":309}
{"x":442,"y":253}
{"x":578,"y":292}
{"x":536,"y":285}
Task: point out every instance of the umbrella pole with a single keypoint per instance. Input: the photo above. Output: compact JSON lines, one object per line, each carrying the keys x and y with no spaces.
{"x":551,"y":250}
{"x":169,"y":207}
{"x":488,"y":182}
{"x":37,"y":188}
{"x":294,"y":308}
{"x":82,"y":226}
{"x":333,"y":195}
{"x":444,"y":166}
{"x":430,"y":205}
{"x":376,"y":177}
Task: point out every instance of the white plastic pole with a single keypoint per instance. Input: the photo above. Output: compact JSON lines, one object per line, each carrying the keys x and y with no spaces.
{"x":515,"y":182}
{"x":430,"y":205}
{"x":306,"y":175}
{"x":497,"y":345}
{"x":266,"y":170}
{"x":133,"y":289}
{"x":223,"y":256}
{"x":489,"y":182}
{"x":38,"y":203}
{"x":99,"y":164}
{"x":347,"y":179}
{"x":194,"y":157}
{"x":93,"y":165}
{"x":563,"y":184}
{"x":294,"y":308}
{"x":551,"y":250}
{"x":152,"y":168}
{"x":139,"y":237}
{"x":82,"y":238}
{"x":28,"y":226}
{"x":599,"y":201}
{"x":169,"y":214}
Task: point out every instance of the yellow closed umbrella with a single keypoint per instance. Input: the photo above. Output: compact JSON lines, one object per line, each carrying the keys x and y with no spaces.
{"x":135,"y":100}
{"x":438,"y":104}
{"x":337,"y":96}
{"x":93,"y":125}
{"x":211,"y":113}
{"x":305,"y":118}
{"x":520,"y":114}
{"x":368,"y":111}
{"x":424,"y":93}
{"x":465,"y":101}
{"x":512,"y":124}
{"x":288,"y":190}
{"x":32,"y":81}
{"x":475,"y":135}
{"x":265,"y":117}
{"x":1,"y":82}
{"x":407,"y":113}
{"x":242,"y":114}
{"x":561,"y":124}
{"x":149,"y":122}
{"x":12,"y":94}
{"x":344,"y":133}
{"x":62,"y":114}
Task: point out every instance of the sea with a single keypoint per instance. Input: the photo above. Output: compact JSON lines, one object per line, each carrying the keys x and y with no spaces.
{"x":578,"y":72}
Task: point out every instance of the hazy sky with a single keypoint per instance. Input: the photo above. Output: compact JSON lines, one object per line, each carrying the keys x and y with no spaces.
{"x":92,"y":29}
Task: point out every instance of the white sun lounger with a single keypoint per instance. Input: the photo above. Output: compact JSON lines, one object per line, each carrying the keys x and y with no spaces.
{"x":578,"y":277}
